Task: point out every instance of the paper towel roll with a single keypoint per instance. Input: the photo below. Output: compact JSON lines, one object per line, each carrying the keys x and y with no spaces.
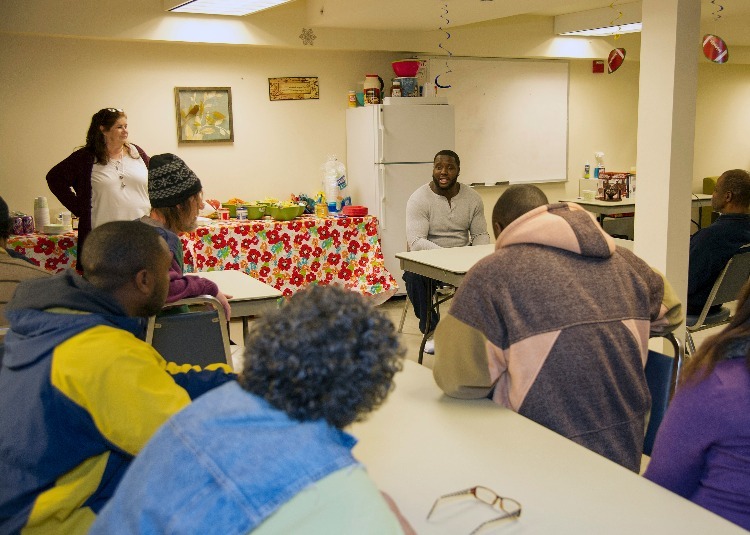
{"x":41,"y":214}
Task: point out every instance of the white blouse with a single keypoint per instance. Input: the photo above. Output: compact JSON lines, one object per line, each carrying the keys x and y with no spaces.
{"x":119,"y":189}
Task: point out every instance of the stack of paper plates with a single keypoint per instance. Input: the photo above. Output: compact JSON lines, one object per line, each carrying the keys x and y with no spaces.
{"x":55,"y":229}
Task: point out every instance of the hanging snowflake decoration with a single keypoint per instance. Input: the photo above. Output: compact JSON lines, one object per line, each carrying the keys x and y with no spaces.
{"x":307,"y":36}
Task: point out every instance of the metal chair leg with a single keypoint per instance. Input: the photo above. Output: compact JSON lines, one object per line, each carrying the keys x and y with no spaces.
{"x":403,"y":314}
{"x":689,"y":344}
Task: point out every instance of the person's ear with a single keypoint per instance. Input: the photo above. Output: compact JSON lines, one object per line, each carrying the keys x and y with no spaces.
{"x":144,"y":281}
{"x":497,"y":228}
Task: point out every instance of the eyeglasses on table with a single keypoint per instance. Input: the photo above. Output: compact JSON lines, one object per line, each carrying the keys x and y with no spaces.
{"x":510,"y":507}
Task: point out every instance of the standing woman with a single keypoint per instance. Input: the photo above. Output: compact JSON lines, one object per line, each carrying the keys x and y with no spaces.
{"x":702,"y":448}
{"x":106,"y":179}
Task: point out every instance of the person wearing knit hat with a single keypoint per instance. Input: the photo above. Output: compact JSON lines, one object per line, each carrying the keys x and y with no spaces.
{"x":176,"y":196}
{"x":170,"y":181}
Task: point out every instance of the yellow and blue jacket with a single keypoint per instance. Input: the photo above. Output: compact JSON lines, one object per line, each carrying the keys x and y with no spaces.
{"x":80,"y":395}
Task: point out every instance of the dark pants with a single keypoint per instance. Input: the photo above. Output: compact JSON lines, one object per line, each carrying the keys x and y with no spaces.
{"x":417,"y":288}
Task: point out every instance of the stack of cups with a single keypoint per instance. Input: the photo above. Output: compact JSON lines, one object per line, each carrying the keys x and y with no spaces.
{"x":41,"y":214}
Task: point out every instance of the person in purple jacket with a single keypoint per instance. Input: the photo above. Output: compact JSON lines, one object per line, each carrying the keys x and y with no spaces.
{"x":176,"y":196}
{"x":702,"y":448}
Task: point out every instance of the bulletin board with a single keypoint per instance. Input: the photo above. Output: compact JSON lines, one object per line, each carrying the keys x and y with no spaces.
{"x":511,"y":117}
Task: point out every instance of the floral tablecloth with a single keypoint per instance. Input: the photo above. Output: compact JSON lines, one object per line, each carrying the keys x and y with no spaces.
{"x":290,"y":254}
{"x":52,"y":252}
{"x":284,"y":254}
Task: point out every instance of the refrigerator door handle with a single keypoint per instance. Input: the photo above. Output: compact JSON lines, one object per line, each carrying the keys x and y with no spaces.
{"x":380,"y":134}
{"x":381,"y":192}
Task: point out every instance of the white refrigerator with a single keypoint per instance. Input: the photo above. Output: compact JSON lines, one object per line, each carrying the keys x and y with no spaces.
{"x":389,"y":153}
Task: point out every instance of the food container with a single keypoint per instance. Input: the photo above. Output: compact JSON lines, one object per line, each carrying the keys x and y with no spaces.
{"x":406,"y":67}
{"x":285,"y":213}
{"x":255,"y":211}
{"x":354,"y":210}
{"x":17,"y":225}
{"x":241,"y":213}
{"x":409,"y":86}
{"x":55,"y":229}
{"x":224,"y":214}
{"x":28,"y":224}
{"x":232,"y":208}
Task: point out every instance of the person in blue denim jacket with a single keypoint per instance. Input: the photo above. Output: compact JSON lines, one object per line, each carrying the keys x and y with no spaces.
{"x":267,"y":454}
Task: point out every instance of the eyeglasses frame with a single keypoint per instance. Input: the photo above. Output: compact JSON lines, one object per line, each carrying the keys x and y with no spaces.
{"x":497,"y":499}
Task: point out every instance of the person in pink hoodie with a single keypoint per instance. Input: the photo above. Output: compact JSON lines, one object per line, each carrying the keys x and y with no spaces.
{"x":555,"y":325}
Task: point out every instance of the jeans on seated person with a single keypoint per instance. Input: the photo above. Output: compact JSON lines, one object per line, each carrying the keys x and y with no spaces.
{"x":421,"y":299}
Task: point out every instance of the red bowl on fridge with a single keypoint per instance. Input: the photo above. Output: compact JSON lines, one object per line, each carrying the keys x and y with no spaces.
{"x":405,"y":67}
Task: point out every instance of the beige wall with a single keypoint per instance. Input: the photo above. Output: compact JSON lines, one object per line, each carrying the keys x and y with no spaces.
{"x":52,"y":86}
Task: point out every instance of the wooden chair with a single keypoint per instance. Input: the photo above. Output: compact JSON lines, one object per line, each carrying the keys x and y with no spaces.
{"x":197,"y":336}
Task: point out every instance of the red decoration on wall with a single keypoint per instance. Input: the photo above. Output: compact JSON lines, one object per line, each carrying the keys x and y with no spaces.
{"x":615,"y":60}
{"x":597,"y":66}
{"x":715,"y":49}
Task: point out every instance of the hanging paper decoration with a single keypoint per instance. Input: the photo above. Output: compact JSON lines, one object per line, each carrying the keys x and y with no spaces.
{"x":443,"y":28}
{"x":715,"y":49}
{"x":718,"y":8}
{"x":615,"y":60}
{"x":307,"y":36}
{"x":614,"y":22}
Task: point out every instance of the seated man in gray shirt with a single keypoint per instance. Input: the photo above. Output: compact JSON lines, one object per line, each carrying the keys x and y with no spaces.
{"x":442,"y":213}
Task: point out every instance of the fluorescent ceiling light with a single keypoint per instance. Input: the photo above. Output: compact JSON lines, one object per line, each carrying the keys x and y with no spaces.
{"x":221,"y":7}
{"x":632,"y":27}
{"x":623,"y":18}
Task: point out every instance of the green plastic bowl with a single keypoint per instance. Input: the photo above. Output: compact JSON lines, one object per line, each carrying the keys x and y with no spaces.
{"x":231,"y":207}
{"x":286,"y":213}
{"x":255,"y":211}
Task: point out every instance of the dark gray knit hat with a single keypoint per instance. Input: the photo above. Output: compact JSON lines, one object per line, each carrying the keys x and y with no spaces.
{"x":170,"y":181}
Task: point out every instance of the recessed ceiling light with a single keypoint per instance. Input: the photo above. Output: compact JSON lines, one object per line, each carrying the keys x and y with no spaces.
{"x":623,"y":18}
{"x":236,"y":8}
{"x":633,"y":27}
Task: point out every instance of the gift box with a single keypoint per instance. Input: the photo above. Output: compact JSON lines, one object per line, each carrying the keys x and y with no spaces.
{"x":615,"y":186}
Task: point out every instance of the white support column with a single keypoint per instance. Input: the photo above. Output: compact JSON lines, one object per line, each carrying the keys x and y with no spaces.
{"x":670,"y":44}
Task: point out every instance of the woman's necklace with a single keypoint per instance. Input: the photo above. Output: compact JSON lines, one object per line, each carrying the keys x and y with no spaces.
{"x":120,"y":167}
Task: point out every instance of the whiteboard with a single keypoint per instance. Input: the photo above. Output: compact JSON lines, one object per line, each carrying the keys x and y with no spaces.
{"x":511,"y":117}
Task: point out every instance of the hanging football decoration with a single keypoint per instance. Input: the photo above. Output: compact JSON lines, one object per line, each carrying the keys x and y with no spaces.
{"x":615,"y":60}
{"x":714,"y":47}
{"x":443,"y":28}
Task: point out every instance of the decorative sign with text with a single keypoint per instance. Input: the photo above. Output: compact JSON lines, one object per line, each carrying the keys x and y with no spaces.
{"x":293,"y":88}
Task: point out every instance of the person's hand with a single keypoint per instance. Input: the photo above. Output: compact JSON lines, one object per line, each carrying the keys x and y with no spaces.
{"x":224,"y":300}
{"x":408,"y":530}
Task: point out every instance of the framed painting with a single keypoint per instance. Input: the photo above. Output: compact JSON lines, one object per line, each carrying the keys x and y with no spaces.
{"x":204,"y":114}
{"x":293,"y":88}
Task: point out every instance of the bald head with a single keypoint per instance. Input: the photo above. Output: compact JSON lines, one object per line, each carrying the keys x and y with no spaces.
{"x":513,"y":203}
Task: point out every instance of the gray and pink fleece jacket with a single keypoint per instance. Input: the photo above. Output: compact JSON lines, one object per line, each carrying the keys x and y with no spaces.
{"x":555,"y":326}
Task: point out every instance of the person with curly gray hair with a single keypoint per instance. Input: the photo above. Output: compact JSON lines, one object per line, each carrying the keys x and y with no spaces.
{"x":267,"y":454}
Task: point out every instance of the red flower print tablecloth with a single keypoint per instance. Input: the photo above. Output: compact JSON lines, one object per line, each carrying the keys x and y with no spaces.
{"x":291,"y":254}
{"x":52,"y":252}
{"x":284,"y":254}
